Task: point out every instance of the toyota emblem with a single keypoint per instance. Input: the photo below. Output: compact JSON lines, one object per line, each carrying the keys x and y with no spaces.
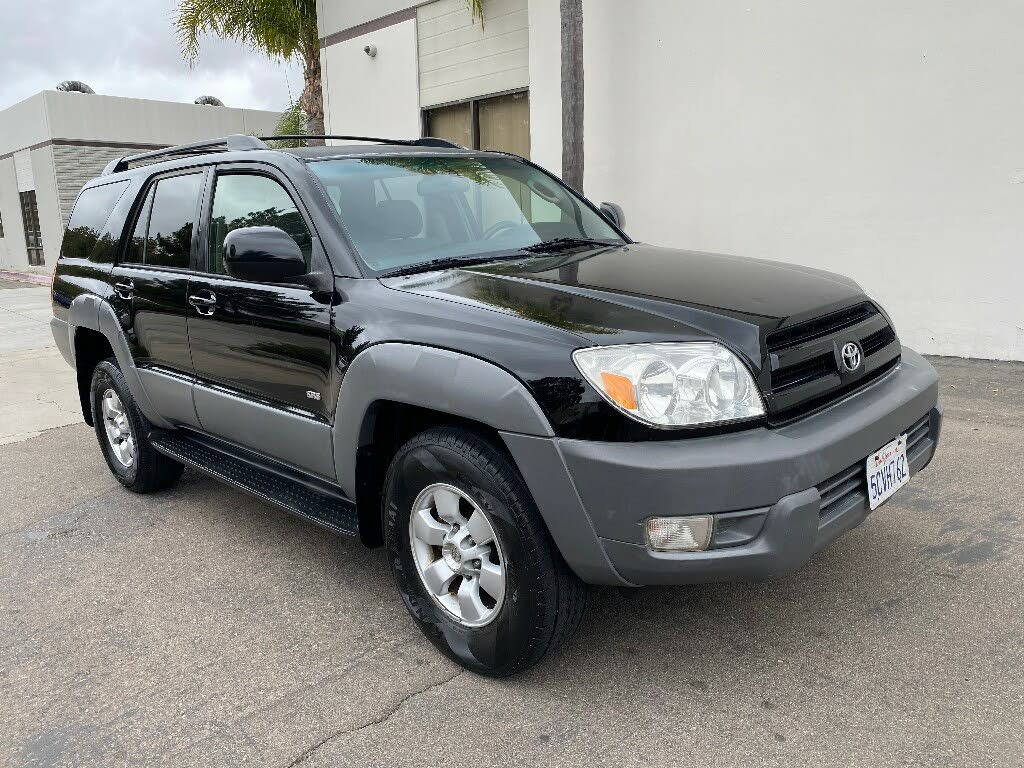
{"x":851,"y":357}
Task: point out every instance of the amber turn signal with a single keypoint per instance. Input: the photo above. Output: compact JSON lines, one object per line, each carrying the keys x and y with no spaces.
{"x":620,"y":389}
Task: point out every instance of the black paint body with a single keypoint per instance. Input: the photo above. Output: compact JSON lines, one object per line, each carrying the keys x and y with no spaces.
{"x":276,"y":343}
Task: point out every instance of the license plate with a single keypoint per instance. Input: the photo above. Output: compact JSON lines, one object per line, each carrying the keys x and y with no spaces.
{"x":888,"y":471}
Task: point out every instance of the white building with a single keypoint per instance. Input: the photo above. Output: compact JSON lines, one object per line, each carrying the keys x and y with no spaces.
{"x":53,"y":142}
{"x":881,"y":140}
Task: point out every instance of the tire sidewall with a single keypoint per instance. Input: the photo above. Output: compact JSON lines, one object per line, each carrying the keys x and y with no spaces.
{"x":108,"y":376}
{"x":500,"y":646}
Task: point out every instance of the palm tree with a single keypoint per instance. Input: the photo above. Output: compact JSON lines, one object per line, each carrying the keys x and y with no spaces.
{"x":284,"y":29}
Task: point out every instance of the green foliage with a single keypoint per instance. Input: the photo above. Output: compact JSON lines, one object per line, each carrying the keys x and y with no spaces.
{"x":476,"y":9}
{"x":466,"y":167}
{"x":278,"y":28}
{"x":292,"y":123}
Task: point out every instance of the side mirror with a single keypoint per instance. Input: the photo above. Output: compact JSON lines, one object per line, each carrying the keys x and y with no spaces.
{"x":614,"y":214}
{"x":263,"y":254}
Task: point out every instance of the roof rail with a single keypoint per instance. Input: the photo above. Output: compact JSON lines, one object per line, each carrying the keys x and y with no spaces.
{"x":426,"y":141}
{"x":231,"y":143}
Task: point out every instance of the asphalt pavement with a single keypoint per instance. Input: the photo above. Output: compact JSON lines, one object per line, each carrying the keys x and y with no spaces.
{"x":198,"y":626}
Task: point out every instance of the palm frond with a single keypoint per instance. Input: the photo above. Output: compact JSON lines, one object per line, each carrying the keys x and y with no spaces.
{"x":476,"y":10}
{"x":273,"y":27}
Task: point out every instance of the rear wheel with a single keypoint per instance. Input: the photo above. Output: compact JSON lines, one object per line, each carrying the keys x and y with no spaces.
{"x":122,"y":432}
{"x":473,"y":561}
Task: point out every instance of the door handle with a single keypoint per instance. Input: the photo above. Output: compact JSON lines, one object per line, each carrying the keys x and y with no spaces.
{"x":124,"y":289}
{"x":205,"y":302}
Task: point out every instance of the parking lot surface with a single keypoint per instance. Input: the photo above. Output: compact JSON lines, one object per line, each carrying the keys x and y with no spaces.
{"x":198,"y":626}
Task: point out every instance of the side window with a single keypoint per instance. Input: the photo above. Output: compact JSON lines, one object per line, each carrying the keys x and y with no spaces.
{"x":171,"y":219}
{"x":247,"y":200}
{"x":137,"y":243}
{"x":86,"y":228}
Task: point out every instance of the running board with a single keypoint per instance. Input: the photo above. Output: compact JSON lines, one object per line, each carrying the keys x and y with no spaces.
{"x":303,"y":496}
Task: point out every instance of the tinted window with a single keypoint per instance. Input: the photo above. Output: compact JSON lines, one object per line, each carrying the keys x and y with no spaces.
{"x":173,"y":215}
{"x":89,"y":220}
{"x":137,"y":243}
{"x":245,"y":200}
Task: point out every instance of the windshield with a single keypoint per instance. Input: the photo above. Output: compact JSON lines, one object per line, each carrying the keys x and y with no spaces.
{"x":400,"y":211}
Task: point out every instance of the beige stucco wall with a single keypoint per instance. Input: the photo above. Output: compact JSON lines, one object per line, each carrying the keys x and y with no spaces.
{"x":52,"y":117}
{"x":119,"y":119}
{"x":377,"y":96}
{"x":875,"y":139}
{"x":12,"y":244}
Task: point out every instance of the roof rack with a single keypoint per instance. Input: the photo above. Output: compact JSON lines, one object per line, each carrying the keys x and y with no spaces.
{"x":239,"y":142}
{"x":231,"y":143}
{"x":426,"y":141}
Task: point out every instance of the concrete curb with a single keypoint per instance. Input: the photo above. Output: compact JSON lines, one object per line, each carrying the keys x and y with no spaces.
{"x":24,"y":277}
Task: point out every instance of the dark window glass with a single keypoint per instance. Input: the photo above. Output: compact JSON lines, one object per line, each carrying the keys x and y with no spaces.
{"x":245,"y":200}
{"x":169,"y":241}
{"x":33,"y":232}
{"x":1,"y":226}
{"x":87,"y":228}
{"x":137,"y":243}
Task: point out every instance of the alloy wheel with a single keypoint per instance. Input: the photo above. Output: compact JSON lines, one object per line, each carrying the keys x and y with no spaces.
{"x":118,"y":428}
{"x":457,"y":554}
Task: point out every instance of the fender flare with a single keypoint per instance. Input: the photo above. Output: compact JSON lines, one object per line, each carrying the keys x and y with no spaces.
{"x":90,"y":311}
{"x":430,"y":377}
{"x":471,"y":388}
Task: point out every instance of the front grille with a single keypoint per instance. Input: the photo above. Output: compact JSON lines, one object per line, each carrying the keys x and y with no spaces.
{"x":805,"y":366}
{"x":849,"y":488}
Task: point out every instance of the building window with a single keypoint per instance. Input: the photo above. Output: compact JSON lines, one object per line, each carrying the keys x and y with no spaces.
{"x":1,"y":227}
{"x":33,"y":235}
{"x":499,"y":122}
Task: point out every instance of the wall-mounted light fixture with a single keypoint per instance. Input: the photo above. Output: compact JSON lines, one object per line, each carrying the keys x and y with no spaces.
{"x":370,"y":50}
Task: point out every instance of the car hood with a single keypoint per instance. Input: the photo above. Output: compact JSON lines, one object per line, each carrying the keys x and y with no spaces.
{"x":637,"y":292}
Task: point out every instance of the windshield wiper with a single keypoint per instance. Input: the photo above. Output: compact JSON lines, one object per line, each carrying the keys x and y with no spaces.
{"x":565,"y":243}
{"x":447,"y":262}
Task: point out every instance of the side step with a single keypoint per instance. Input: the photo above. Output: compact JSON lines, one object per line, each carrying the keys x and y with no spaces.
{"x":294,"y":492}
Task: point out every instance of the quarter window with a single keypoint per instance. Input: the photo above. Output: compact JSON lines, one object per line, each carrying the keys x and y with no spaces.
{"x":248,"y":200}
{"x":87,"y":235}
{"x":163,"y":231}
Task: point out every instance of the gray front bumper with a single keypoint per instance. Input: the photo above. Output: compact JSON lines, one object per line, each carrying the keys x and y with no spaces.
{"x":596,"y":496}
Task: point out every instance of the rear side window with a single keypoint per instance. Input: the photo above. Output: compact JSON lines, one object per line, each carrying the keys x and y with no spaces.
{"x":162,"y":236}
{"x":87,"y":236}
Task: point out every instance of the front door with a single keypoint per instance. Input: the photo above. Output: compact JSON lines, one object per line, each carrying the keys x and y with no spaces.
{"x":261,"y":352}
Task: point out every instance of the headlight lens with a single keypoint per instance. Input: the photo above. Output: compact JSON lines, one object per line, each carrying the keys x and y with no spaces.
{"x":673,"y":385}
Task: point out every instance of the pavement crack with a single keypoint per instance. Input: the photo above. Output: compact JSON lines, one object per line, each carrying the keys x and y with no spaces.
{"x":384,"y":717}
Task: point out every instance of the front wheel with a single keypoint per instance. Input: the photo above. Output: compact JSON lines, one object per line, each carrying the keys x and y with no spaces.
{"x":473,"y":561}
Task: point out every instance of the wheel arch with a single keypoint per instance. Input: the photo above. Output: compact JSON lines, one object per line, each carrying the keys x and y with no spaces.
{"x":393,"y":391}
{"x":95,"y":331}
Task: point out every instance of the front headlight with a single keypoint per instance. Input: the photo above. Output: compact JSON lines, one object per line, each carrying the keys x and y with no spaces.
{"x":673,"y":385}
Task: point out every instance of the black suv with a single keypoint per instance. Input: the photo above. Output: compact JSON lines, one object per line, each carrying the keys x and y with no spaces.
{"x":452,"y":354}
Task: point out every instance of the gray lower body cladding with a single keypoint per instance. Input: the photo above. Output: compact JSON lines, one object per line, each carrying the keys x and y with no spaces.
{"x":774,"y":492}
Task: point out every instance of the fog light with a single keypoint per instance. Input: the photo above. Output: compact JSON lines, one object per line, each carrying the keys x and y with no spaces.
{"x":679,"y":534}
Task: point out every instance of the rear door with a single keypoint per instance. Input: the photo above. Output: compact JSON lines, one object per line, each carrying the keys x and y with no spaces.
{"x":261,"y":352}
{"x":150,"y":284}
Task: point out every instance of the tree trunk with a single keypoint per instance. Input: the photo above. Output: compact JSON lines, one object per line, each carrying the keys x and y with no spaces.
{"x":312,"y":99}
{"x":572,"y":92}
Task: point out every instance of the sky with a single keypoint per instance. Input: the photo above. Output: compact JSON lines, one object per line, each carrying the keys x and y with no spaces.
{"x":129,"y":48}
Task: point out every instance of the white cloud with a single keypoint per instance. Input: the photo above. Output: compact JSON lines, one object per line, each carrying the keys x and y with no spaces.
{"x":129,"y":50}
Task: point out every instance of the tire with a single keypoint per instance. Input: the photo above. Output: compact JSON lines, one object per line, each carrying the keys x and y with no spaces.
{"x":146,"y":470}
{"x":542,"y":601}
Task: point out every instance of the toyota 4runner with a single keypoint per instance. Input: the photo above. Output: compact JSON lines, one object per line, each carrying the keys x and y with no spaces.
{"x":452,"y":354}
